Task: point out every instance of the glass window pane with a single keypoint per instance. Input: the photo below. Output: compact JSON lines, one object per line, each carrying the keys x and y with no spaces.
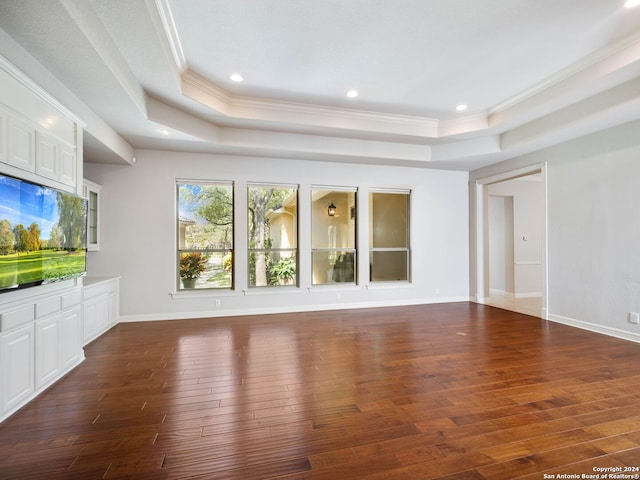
{"x":337,"y":230}
{"x":333,"y":266}
{"x":205,"y":235}
{"x":281,"y":267}
{"x":92,"y":221}
{"x":389,"y":236}
{"x":387,"y":266}
{"x":333,"y":236}
{"x":273,"y":235}
{"x":214,"y":269}
{"x":389,"y":220}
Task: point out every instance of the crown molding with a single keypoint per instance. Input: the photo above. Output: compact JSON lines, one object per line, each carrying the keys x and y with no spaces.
{"x":516,"y":125}
{"x":337,"y":117}
{"x":207,"y":93}
{"x":202,"y":90}
{"x":161,"y":13}
{"x":628,"y":45}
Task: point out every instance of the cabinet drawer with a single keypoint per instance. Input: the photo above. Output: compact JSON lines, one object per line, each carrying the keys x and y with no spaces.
{"x":47,"y":307}
{"x":71,"y":299}
{"x":16,"y":318}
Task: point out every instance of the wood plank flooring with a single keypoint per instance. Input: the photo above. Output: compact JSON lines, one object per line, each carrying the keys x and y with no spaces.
{"x":452,"y":391}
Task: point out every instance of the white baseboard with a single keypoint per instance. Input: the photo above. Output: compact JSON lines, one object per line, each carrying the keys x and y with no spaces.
{"x":283,"y":309}
{"x":528,"y":294}
{"x":511,"y":295}
{"x":592,"y":327}
{"x":501,"y":293}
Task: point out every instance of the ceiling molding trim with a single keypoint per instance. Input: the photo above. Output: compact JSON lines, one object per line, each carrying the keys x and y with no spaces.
{"x":612,"y":107}
{"x":333,"y":117}
{"x":572,"y":72}
{"x":201,"y":90}
{"x":163,"y":19}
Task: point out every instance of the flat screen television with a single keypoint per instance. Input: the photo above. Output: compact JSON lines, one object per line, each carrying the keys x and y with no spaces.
{"x":42,"y":234}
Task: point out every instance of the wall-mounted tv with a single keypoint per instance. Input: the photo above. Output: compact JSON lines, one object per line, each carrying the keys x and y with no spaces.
{"x":42,"y":234}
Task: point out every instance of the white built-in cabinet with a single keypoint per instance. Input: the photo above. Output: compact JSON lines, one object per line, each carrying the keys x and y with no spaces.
{"x":39,"y":342}
{"x":17,"y":376}
{"x":43,"y":339}
{"x":31,"y":148}
{"x":21,"y":146}
{"x":100,"y":306}
{"x":43,"y":329}
{"x":55,"y":159}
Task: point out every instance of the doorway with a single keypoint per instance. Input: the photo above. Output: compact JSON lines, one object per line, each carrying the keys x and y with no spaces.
{"x":511,"y":241}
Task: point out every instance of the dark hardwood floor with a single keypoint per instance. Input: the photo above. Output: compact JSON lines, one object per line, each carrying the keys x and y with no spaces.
{"x":452,"y":391}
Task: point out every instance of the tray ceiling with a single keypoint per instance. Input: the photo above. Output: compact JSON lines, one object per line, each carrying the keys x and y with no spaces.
{"x":531,"y":74}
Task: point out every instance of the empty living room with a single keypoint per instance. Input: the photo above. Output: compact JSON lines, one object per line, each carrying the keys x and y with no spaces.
{"x":278,"y":239}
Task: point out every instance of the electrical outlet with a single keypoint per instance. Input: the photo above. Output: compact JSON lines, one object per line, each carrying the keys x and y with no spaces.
{"x":338,"y":297}
{"x":634,"y":317}
{"x":218,"y":302}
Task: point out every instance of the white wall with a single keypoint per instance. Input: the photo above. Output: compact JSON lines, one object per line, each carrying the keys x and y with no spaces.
{"x":138,"y":237}
{"x":593,"y":185}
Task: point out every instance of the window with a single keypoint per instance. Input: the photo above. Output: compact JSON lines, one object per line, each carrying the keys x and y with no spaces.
{"x":273,"y":235}
{"x":389,"y":236}
{"x":92,"y":192}
{"x":205,"y":235}
{"x":333,"y":235}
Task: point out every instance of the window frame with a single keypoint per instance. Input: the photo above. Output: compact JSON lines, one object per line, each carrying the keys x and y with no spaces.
{"x":224,"y":251}
{"x":406,"y":249}
{"x":271,"y":250}
{"x":336,"y":251}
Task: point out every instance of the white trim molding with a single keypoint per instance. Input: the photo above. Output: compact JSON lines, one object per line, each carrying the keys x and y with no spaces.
{"x":592,"y":327}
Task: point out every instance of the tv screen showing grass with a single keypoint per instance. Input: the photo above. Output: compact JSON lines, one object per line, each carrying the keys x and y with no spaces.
{"x":42,"y":234}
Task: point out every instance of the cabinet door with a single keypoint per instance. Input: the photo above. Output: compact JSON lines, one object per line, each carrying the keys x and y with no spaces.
{"x":21,"y":144}
{"x":102,"y":312}
{"x":47,"y":156}
{"x":89,"y":321}
{"x":47,"y":358}
{"x":17,"y":350}
{"x":67,"y":173}
{"x":70,"y":337}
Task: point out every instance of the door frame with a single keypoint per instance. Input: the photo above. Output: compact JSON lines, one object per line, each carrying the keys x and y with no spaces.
{"x":480,"y":237}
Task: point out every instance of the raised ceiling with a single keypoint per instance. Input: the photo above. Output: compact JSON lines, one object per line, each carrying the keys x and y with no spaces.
{"x":532,"y":74}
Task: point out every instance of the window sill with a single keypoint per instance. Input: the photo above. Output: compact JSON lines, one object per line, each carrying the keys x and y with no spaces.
{"x":388,"y":285}
{"x":272,"y":290}
{"x":334,"y":287}
{"x":203,"y":293}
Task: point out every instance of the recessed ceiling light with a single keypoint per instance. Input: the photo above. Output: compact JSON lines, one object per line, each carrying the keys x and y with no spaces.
{"x":164,"y":131}
{"x":352,"y":93}
{"x":461,"y":108}
{"x":236,"y":77}
{"x":631,"y":3}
